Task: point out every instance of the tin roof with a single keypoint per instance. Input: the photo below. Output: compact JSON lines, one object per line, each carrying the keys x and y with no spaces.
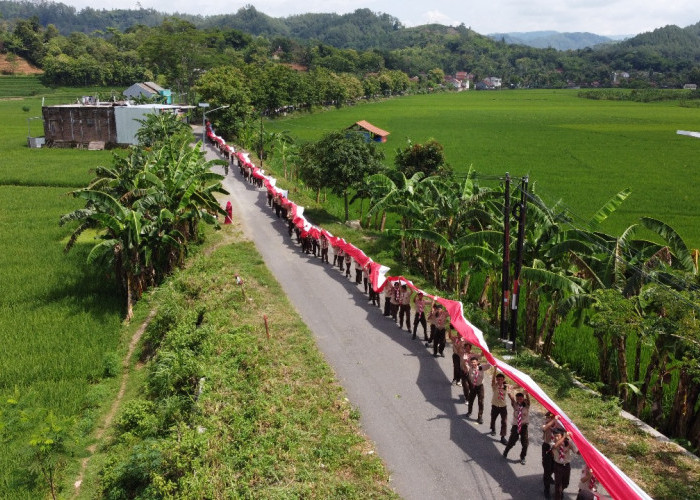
{"x":371,"y":128}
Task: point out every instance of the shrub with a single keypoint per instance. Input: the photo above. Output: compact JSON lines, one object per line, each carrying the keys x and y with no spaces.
{"x":138,"y":417}
{"x":111,"y":364}
{"x":173,"y":373}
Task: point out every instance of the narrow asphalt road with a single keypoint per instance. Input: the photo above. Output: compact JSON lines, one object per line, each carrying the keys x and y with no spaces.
{"x":408,"y":406}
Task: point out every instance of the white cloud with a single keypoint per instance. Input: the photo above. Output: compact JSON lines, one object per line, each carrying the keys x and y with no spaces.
{"x":437,"y":17}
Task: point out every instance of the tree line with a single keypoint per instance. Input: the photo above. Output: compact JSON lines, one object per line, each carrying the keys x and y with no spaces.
{"x":117,"y":48}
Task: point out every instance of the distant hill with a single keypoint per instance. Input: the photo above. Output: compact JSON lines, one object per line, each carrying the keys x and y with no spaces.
{"x":668,"y":56}
{"x":555,"y":39}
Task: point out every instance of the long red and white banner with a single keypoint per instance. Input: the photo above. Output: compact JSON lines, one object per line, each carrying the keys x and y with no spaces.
{"x":616,"y":483}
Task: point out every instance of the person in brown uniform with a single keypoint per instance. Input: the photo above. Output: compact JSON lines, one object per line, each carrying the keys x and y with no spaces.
{"x":432,"y":316}
{"x":324,"y":248}
{"x":405,"y":307}
{"x":498,"y":404}
{"x":551,"y":423}
{"x":464,"y":364}
{"x":563,"y":451}
{"x":394,"y":300}
{"x":419,"y":317}
{"x":457,"y":350}
{"x":439,"y":337}
{"x":476,"y":383}
{"x":521,"y":418}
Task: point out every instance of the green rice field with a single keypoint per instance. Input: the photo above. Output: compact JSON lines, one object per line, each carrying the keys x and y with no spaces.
{"x":575,"y":150}
{"x":60,"y":321}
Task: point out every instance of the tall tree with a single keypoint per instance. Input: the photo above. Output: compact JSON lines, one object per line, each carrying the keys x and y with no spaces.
{"x":346,"y":158}
{"x":428,"y":157}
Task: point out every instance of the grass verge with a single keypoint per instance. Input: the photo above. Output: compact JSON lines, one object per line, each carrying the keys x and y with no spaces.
{"x":223,"y":411}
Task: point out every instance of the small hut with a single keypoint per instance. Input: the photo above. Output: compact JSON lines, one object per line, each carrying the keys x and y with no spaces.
{"x":371,"y":132}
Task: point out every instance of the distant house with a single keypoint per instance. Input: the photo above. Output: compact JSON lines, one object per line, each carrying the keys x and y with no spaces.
{"x":371,"y":132}
{"x":457,"y":84}
{"x":618,"y":76}
{"x":148,"y":90}
{"x":493,"y":82}
{"x":466,"y":79}
{"x":98,"y":125}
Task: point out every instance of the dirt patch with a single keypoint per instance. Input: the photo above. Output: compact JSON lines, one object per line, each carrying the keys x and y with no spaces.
{"x":16,"y":65}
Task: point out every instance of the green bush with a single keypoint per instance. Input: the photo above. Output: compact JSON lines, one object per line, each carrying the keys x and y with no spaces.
{"x":138,"y":417}
{"x":173,"y":373}
{"x":188,"y":336}
{"x":129,"y":476}
{"x":111,"y":364}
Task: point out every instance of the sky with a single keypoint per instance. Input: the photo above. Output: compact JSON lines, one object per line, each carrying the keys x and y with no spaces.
{"x":603,"y":17}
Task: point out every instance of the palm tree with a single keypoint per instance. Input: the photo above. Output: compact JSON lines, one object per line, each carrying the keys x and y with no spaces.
{"x":396,"y":194}
{"x":146,"y":208}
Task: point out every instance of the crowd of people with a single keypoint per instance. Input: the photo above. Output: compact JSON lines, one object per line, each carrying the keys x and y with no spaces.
{"x":471,"y":364}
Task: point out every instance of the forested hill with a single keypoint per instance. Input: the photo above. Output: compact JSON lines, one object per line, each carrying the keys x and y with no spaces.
{"x":670,"y":43}
{"x":554,"y":39}
{"x":68,"y":19}
{"x":359,"y":30}
{"x":120,"y":46}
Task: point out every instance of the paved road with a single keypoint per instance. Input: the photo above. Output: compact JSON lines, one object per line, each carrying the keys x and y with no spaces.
{"x":408,"y":406}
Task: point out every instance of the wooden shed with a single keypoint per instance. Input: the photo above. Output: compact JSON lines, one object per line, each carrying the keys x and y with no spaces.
{"x":106,"y":124}
{"x":373,"y":133}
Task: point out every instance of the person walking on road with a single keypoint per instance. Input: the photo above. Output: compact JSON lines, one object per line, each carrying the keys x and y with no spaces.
{"x":563,"y":451}
{"x":419,"y":317}
{"x":388,"y":290}
{"x":358,"y":274}
{"x":395,"y":300}
{"x":521,"y":418}
{"x":440,"y":320}
{"x":551,"y":423}
{"x":405,"y":307}
{"x":348,"y":261}
{"x":324,"y":248}
{"x":476,"y":384}
{"x":498,"y":404}
{"x":457,"y":350}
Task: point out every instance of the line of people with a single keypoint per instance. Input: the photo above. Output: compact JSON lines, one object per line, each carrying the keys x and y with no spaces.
{"x":557,"y":448}
{"x":469,"y":371}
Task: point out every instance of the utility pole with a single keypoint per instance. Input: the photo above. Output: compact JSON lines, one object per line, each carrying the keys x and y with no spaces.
{"x":505,"y":282}
{"x":515,"y":298}
{"x":204,"y":106}
{"x":261,"y":139}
